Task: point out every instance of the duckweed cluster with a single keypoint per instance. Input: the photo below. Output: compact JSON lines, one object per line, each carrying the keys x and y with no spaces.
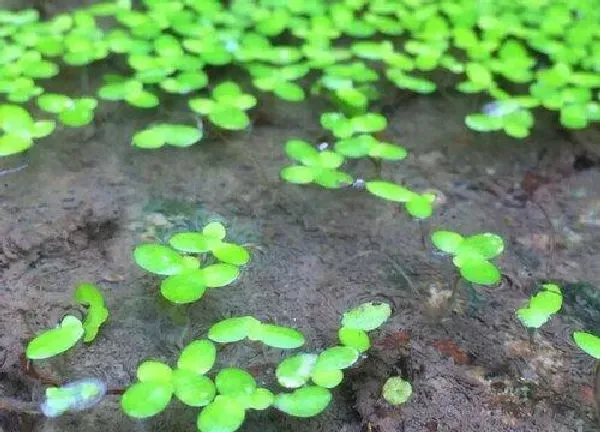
{"x":521,"y":55}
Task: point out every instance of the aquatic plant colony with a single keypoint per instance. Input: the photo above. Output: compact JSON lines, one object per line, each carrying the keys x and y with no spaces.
{"x":525,"y":56}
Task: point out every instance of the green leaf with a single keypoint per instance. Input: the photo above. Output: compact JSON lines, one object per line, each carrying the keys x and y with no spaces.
{"x":215,"y":229}
{"x":390,"y":191}
{"x":193,"y":389}
{"x":404,"y":81}
{"x":289,"y":91}
{"x":588,"y":342}
{"x":142,"y":99}
{"x":81,"y":113}
{"x":486,"y":245}
{"x":304,"y":402}
{"x":54,"y":103}
{"x":229,"y":117}
{"x":518,"y":123}
{"x":294,"y":372}
{"x":396,"y":391}
{"x":11,"y":144}
{"x":369,"y":122}
{"x":447,"y":241}
{"x":194,"y":242}
{"x":14,"y":118}
{"x":574,"y":116}
{"x":420,"y":206}
{"x":235,"y":382}
{"x":354,"y":338}
{"x":367,"y":316}
{"x":219,"y":275}
{"x":146,"y":399}
{"x":97,"y":314}
{"x":154,"y":371}
{"x":151,"y":138}
{"x":276,"y":336}
{"x":198,"y":356}
{"x":298,"y":174}
{"x":302,"y":152}
{"x":261,"y":399}
{"x":479,"y":75}
{"x":389,"y":152}
{"x":42,"y":128}
{"x":332,"y":179}
{"x":541,"y":307}
{"x":183,"y":288}
{"x":337,"y":357}
{"x":231,"y":253}
{"x":55,"y":341}
{"x":328,"y":378}
{"x":179,"y":135}
{"x":483,"y":122}
{"x":185,"y":82}
{"x":158,"y":259}
{"x":232,"y":329}
{"x":329,"y":159}
{"x":356,"y":147}
{"x":480,"y":272}
{"x":224,"y":414}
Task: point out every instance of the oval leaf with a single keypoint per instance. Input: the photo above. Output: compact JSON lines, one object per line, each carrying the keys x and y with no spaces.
{"x":276,"y":336}
{"x":193,"y":389}
{"x":55,"y":341}
{"x":183,"y":288}
{"x":146,"y":399}
{"x":158,"y":259}
{"x":224,"y":414}
{"x":304,"y":402}
{"x":198,"y":357}
{"x":367,"y":316}
{"x":294,"y":372}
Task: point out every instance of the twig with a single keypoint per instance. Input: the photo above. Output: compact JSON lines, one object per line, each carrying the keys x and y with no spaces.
{"x":19,"y":406}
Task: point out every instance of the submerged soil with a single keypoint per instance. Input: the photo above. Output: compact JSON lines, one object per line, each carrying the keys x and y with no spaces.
{"x":86,"y":197}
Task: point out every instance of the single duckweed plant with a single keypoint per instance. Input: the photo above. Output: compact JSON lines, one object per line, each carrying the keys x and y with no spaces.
{"x":70,"y":330}
{"x":541,"y":307}
{"x":163,"y":134}
{"x":225,"y":397}
{"x":318,"y":166}
{"x":193,"y":262}
{"x":396,"y":391}
{"x":71,"y":112}
{"x":471,"y":256}
{"x":227,"y":107}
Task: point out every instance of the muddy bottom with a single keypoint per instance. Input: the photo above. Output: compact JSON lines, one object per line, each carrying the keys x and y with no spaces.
{"x":85,"y":197}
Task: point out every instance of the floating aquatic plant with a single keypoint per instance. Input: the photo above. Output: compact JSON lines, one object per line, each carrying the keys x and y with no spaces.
{"x":187,"y":279}
{"x":227,"y":107}
{"x":542,"y":306}
{"x":225,"y":400}
{"x":20,"y":130}
{"x":70,"y":330}
{"x":471,"y":256}
{"x":71,"y":112}
{"x":396,"y":391}
{"x":319,"y":167}
{"x":159,"y":135}
{"x":419,"y":206}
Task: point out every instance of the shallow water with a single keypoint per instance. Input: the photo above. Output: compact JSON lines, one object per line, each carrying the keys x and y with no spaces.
{"x":86,"y":197}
